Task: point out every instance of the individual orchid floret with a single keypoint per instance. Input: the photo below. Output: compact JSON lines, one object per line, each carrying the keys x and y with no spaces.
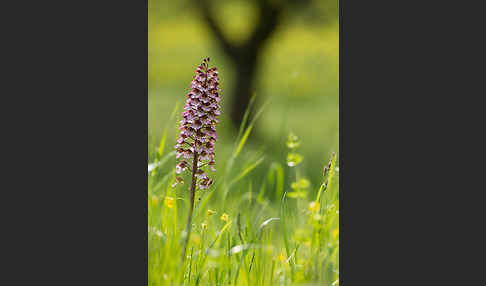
{"x":181,"y":166}
{"x":179,"y":180}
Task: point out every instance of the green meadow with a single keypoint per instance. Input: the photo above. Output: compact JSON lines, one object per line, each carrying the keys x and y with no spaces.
{"x":272,"y":215}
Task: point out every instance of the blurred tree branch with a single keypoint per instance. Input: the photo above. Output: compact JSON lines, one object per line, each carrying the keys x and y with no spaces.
{"x":226,"y":45}
{"x":245,"y":56}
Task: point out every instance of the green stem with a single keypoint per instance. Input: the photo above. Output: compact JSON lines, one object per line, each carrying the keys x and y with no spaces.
{"x":191,"y":205}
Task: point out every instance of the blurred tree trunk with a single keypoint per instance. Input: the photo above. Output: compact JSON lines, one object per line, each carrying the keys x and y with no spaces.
{"x":243,"y":88}
{"x":244,"y":56}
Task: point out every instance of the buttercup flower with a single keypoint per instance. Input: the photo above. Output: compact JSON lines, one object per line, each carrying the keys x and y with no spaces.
{"x":169,"y":202}
{"x":313,"y":206}
{"x":281,"y":257}
{"x":225,"y":217}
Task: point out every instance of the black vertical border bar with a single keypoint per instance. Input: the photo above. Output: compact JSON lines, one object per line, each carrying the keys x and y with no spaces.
{"x":78,"y":172}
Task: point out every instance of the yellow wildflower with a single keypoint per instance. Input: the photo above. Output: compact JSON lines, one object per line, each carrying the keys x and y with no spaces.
{"x":169,"y":202}
{"x":314,"y":206}
{"x":225,"y":217}
{"x":281,"y":257}
{"x":317,"y":217}
{"x":211,"y":212}
{"x":196,"y":239}
{"x":335,"y":233}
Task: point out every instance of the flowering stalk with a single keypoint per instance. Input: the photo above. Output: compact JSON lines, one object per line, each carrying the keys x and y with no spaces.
{"x":198,"y":134}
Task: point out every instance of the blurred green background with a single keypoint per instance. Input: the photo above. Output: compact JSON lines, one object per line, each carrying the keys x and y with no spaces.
{"x":297,"y":73}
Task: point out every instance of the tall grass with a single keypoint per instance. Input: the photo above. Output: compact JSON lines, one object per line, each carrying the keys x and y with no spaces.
{"x":245,"y":231}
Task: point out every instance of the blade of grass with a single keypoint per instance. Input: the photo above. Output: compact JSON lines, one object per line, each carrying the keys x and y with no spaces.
{"x":283,"y":215}
{"x":162,"y":145}
{"x":247,"y":170}
{"x":243,"y":140}
{"x":245,"y":116}
{"x":329,"y":179}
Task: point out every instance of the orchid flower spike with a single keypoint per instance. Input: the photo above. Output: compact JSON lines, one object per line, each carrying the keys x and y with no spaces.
{"x":198,"y":125}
